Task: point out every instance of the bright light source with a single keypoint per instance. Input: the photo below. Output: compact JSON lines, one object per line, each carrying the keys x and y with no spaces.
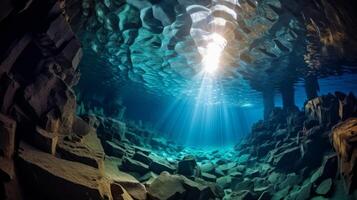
{"x":213,"y":52}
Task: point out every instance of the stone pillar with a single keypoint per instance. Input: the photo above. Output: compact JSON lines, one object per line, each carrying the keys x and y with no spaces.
{"x":311,"y":86}
{"x":268,"y":101}
{"x":288,"y":95}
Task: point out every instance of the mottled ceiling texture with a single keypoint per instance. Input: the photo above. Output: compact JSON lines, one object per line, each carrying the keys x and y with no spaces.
{"x":268,"y":44}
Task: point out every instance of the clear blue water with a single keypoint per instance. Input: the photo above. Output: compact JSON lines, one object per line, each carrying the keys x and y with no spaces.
{"x":192,"y":122}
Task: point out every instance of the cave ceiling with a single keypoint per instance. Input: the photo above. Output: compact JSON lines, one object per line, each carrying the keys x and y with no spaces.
{"x":159,"y":44}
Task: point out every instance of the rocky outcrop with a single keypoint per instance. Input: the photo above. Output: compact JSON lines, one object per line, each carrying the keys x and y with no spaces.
{"x":47,"y":177}
{"x":344,"y":136}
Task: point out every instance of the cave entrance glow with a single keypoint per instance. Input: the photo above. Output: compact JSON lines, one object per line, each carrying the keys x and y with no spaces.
{"x":213,"y":51}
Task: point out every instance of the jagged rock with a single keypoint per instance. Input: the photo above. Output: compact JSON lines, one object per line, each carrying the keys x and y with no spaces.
{"x":265,"y":148}
{"x":113,"y":149}
{"x":324,"y":187}
{"x":246,"y":184}
{"x":50,"y":91}
{"x":7,"y":136}
{"x":119,"y":193}
{"x":45,"y":141}
{"x":209,"y":177}
{"x":207,"y":167}
{"x":41,"y":170}
{"x":251,"y":173}
{"x":158,"y":165}
{"x":133,"y":138}
{"x":88,"y":150}
{"x":243,"y":159}
{"x":224,"y":181}
{"x":324,"y":109}
{"x":110,"y":128}
{"x":129,"y":164}
{"x":70,"y":57}
{"x":127,"y":181}
{"x":58,"y":31}
{"x":139,"y":156}
{"x":344,"y":137}
{"x":275,"y":177}
{"x":142,"y":150}
{"x":225,"y":167}
{"x":167,"y":186}
{"x":287,"y":158}
{"x":290,"y":179}
{"x":188,"y":166}
{"x":148,"y":178}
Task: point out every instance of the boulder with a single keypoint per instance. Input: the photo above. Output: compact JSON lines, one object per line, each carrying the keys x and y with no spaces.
{"x":125,"y":180}
{"x":142,"y":157}
{"x":167,"y":186}
{"x":112,"y":149}
{"x":303,"y":193}
{"x":344,"y":136}
{"x":159,"y":165}
{"x":41,"y":170}
{"x":88,"y":150}
{"x":287,"y":159}
{"x":188,"y":166}
{"x":224,"y":182}
{"x":207,"y":167}
{"x":109,"y":128}
{"x":81,"y":127}
{"x":131,"y":165}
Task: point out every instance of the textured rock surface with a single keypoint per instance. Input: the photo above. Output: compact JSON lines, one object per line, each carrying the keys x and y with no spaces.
{"x":161,"y":44}
{"x":42,"y":170}
{"x":344,"y":137}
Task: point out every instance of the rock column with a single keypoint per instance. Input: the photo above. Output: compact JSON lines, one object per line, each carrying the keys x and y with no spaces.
{"x":288,"y":95}
{"x":268,"y":101}
{"x":311,"y":86}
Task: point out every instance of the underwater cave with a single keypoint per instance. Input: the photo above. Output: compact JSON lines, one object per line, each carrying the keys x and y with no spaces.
{"x":178,"y":99}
